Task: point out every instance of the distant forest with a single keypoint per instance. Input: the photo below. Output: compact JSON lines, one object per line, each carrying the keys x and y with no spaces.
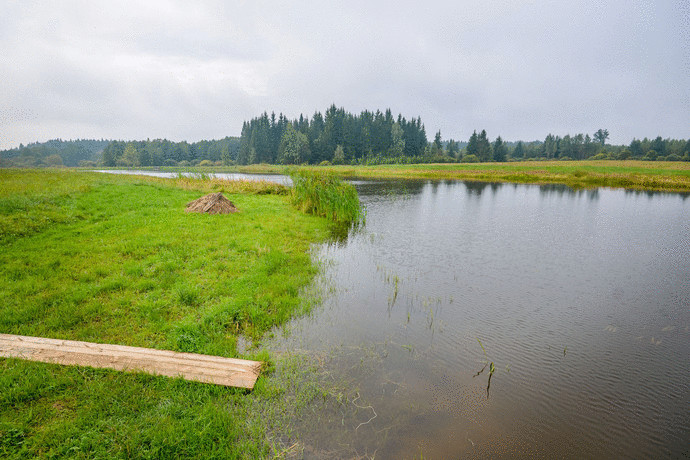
{"x":338,"y":137}
{"x":161,"y":152}
{"x":55,"y":152}
{"x":90,"y":153}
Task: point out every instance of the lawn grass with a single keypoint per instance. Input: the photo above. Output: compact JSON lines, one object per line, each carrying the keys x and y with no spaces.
{"x":632,"y":174}
{"x":115,"y":259}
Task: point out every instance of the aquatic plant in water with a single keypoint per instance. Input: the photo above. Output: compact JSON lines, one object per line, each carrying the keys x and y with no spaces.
{"x":492,"y":368}
{"x":326,"y":195}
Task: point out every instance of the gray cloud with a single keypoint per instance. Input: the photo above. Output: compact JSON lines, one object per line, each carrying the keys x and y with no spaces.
{"x":190,"y":70}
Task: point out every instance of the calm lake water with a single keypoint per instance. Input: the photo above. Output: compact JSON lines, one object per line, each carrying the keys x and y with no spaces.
{"x":580,"y":299}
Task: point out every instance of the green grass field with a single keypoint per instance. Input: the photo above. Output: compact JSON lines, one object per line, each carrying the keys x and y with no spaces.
{"x":115,"y":259}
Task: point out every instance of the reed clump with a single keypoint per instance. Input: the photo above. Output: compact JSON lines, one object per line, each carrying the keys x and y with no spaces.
{"x":325,"y":195}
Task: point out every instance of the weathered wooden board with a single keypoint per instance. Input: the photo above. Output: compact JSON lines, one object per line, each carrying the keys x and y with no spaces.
{"x":190,"y":366}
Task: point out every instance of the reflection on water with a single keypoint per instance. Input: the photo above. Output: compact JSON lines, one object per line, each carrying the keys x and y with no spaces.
{"x":578,"y":299}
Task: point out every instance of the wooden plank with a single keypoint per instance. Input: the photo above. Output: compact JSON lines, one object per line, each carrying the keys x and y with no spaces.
{"x":191,"y":366}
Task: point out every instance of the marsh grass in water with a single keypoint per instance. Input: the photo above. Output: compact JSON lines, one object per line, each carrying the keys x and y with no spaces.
{"x":492,"y":368}
{"x":115,"y":259}
{"x":326,"y":195}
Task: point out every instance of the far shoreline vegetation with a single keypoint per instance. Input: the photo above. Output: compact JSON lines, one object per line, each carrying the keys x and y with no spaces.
{"x":379,"y":145}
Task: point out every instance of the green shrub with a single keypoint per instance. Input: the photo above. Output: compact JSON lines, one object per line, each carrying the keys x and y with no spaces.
{"x":470,"y":159}
{"x":625,"y":154}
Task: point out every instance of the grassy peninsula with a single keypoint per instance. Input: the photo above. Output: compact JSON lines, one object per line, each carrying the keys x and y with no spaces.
{"x":669,"y":176}
{"x":115,"y":259}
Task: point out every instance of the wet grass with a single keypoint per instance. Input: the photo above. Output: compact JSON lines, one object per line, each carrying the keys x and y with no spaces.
{"x":115,"y":259}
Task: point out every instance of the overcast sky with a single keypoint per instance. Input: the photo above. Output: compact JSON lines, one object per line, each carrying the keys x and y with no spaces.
{"x":196,"y":70}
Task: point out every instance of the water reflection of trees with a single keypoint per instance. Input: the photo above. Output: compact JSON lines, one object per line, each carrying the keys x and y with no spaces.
{"x":651,"y":194}
{"x":415,"y":187}
{"x":476,"y":188}
{"x":563,"y":190}
{"x":391,"y":187}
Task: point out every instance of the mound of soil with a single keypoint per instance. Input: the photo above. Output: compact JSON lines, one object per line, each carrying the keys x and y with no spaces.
{"x":215,"y":203}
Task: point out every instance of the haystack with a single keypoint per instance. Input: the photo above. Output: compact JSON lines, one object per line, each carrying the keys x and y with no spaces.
{"x":215,"y":203}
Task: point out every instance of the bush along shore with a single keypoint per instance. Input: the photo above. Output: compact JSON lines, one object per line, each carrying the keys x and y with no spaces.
{"x":115,"y":259}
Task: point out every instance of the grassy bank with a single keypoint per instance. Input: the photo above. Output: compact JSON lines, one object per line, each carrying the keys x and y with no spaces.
{"x":638,"y":175}
{"x":115,"y":259}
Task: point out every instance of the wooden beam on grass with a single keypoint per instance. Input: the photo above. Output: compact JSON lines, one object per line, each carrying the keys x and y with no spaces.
{"x":190,"y":366}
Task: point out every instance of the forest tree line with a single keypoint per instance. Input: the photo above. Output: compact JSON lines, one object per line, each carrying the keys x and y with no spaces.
{"x":56,"y":152}
{"x":92,"y":153}
{"x":584,"y":147}
{"x":162,"y":152}
{"x":338,"y":137}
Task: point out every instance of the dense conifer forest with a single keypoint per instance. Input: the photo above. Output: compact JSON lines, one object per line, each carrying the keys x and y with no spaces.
{"x":338,"y":137}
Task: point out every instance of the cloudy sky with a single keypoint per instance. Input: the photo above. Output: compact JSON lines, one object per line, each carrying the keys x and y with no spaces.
{"x":196,"y":70}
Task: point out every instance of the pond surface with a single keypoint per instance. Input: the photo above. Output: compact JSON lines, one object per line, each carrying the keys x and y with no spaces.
{"x":580,"y":299}
{"x":277,"y":178}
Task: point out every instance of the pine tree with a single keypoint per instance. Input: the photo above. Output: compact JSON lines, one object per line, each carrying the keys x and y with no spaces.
{"x":499,"y":150}
{"x":437,"y":146}
{"x":453,"y":149}
{"x":519,"y":151}
{"x":483,"y":147}
{"x":473,"y":145}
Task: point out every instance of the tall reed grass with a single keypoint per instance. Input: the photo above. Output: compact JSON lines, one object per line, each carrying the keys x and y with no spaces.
{"x":326,"y":195}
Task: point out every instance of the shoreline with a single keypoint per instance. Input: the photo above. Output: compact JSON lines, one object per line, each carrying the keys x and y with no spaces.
{"x":629,"y":174}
